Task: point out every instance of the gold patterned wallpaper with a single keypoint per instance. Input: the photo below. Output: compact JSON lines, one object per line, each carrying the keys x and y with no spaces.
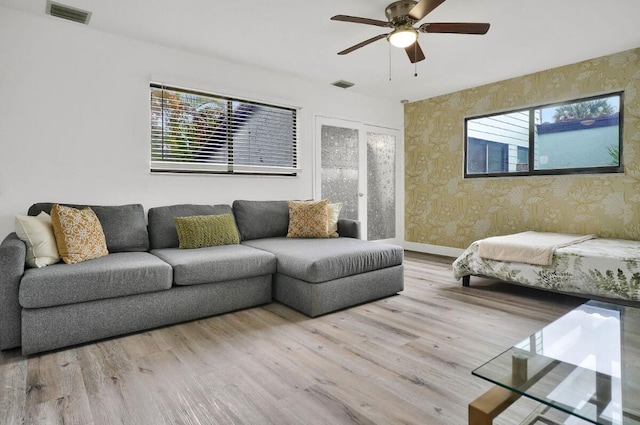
{"x":442,"y":208}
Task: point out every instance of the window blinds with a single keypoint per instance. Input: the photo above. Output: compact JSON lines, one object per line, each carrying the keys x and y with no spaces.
{"x":204,"y":133}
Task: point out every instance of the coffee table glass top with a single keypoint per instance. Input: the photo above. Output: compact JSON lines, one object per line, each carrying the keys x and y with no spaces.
{"x":586,"y":364}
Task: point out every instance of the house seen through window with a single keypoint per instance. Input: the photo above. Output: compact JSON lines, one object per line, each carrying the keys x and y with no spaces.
{"x":583,"y":136}
{"x":204,"y":133}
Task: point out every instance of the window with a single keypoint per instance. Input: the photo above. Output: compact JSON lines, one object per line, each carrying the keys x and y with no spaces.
{"x":582,"y":136}
{"x":193,"y":132}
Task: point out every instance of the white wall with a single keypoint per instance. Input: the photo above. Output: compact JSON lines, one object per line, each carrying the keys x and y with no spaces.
{"x":74,"y":118}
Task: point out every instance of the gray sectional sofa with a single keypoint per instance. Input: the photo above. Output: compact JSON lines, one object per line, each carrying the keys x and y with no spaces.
{"x":146,"y":281}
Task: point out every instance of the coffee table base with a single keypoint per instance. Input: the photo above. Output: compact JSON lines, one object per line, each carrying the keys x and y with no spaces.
{"x":484,"y":409}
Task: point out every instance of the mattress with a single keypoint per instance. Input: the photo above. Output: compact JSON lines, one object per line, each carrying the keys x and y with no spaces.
{"x":607,"y":268}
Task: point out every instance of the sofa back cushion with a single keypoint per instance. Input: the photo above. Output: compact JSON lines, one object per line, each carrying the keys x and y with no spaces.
{"x":162,"y":226}
{"x":124,"y":226}
{"x":261,"y":219}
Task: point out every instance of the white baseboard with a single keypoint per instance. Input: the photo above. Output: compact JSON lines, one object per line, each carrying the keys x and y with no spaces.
{"x":433,"y":249}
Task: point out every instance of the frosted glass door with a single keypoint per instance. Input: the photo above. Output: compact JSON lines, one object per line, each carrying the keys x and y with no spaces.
{"x":358,"y":166}
{"x":381,"y":186}
{"x":339,"y":160}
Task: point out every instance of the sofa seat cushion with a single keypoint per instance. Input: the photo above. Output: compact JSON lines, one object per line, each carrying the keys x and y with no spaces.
{"x":216,"y":263}
{"x":114,"y":275}
{"x":322,"y":260}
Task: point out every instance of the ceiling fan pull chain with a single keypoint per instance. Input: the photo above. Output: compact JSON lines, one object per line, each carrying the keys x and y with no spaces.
{"x":389,"y":62}
{"x":415,"y":55}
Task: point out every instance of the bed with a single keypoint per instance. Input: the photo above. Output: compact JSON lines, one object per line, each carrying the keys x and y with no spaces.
{"x":594,"y":268}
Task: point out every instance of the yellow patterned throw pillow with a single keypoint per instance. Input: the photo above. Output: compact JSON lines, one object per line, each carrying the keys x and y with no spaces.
{"x":200,"y":231}
{"x":308,"y":219}
{"x":79,"y":234}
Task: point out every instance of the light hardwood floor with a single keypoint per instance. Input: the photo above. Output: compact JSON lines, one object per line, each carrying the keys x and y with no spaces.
{"x":406,"y":359}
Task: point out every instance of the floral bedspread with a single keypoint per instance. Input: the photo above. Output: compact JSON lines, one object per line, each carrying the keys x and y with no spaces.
{"x":603,"y":267}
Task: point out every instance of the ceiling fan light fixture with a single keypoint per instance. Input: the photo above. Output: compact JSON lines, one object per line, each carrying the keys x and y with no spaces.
{"x":403,"y":36}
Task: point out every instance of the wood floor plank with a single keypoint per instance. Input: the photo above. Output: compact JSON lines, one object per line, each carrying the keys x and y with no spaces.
{"x":405,"y":359}
{"x":13,"y":387}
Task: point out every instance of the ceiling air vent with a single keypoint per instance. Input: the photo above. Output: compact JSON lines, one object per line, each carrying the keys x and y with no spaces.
{"x":342,"y":84}
{"x":67,"y":12}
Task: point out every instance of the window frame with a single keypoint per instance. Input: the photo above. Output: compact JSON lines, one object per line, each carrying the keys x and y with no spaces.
{"x":228,"y":167}
{"x":532,"y":140}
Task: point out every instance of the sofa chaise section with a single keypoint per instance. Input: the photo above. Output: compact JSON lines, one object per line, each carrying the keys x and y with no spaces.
{"x":318,"y":276}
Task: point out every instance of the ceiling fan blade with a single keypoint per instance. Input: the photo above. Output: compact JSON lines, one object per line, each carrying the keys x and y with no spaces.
{"x":423,"y":8}
{"x":364,"y":43}
{"x":358,"y":20}
{"x":414,"y":52}
{"x":455,"y":27}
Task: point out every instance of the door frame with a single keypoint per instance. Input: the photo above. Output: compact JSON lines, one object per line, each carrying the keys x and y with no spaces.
{"x":363,"y":129}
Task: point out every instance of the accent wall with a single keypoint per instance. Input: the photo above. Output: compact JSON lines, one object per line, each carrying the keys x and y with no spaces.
{"x":442,"y":209}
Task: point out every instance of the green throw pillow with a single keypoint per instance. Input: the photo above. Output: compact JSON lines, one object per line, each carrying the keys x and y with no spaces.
{"x":200,"y":231}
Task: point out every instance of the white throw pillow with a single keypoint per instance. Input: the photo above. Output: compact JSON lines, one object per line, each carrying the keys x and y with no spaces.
{"x":333,"y":212}
{"x":37,"y":234}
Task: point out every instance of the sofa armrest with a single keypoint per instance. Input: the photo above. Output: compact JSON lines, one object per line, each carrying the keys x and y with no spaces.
{"x":349,"y":228}
{"x":13,"y":253}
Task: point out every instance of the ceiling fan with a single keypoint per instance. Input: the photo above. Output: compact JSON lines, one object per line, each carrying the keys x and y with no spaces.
{"x":402,"y":16}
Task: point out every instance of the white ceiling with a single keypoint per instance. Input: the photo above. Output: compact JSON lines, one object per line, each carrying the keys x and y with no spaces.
{"x":298,"y":38}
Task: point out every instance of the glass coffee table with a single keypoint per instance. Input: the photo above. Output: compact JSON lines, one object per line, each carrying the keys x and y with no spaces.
{"x":584,"y":367}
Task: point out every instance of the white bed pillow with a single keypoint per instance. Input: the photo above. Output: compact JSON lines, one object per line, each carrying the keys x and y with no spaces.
{"x":37,"y":234}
